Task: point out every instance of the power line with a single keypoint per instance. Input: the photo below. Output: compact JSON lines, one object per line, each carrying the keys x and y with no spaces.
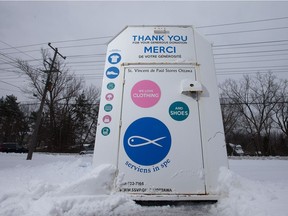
{"x":72,"y":64}
{"x":274,"y":66}
{"x":251,"y":43}
{"x":13,"y":77}
{"x":242,"y":73}
{"x":251,"y":61}
{"x":96,"y":78}
{"x":255,"y":69}
{"x":28,"y":51}
{"x":10,"y":84}
{"x":94,"y":74}
{"x":248,"y":72}
{"x":81,"y":62}
{"x":62,"y":47}
{"x":17,"y":49}
{"x":83,"y":45}
{"x":246,"y":31}
{"x":252,"y":103}
{"x":25,"y":61}
{"x":5,"y":62}
{"x":263,"y":51}
{"x":63,"y":41}
{"x":8,"y":76}
{"x":87,"y":65}
{"x":86,"y":55}
{"x":9,"y":71}
{"x":250,"y":46}
{"x":83,"y":39}
{"x":23,"y":46}
{"x":14,"y":90}
{"x":249,"y":56}
{"x":88,"y":69}
{"x":243,"y":22}
{"x":9,"y":57}
{"x":219,"y":54}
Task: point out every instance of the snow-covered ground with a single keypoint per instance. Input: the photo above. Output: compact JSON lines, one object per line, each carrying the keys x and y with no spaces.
{"x":68,"y":185}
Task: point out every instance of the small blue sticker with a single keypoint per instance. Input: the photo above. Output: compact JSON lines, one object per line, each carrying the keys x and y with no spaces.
{"x":147,"y":141}
{"x":112,"y":72}
{"x":108,"y":107}
{"x":105,"y":131}
{"x":114,"y":58}
{"x":111,"y":86}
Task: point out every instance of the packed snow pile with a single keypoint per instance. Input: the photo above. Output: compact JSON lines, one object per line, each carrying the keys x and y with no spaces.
{"x":68,"y":185}
{"x":99,"y":181}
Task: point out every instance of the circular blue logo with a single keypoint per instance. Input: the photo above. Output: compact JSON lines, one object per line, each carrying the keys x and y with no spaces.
{"x":147,"y":141}
{"x":114,"y":58}
{"x":110,"y":85}
{"x":179,"y":111}
{"x":112,"y":72}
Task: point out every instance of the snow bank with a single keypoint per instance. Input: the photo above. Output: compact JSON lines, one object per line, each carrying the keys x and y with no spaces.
{"x":57,"y":188}
{"x":99,"y":181}
{"x":238,"y":195}
{"x":59,"y":185}
{"x":241,"y":196}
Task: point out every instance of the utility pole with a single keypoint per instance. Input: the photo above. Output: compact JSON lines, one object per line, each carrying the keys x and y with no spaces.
{"x":39,"y":113}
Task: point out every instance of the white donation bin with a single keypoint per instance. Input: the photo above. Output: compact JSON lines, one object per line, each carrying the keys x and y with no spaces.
{"x":159,"y":119}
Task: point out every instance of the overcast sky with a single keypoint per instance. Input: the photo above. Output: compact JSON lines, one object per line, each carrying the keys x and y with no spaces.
{"x":28,"y":23}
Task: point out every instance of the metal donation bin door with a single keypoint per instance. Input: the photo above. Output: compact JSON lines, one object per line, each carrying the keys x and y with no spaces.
{"x":160,"y":150}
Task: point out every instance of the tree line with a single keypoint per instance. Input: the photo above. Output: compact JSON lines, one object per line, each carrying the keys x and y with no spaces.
{"x":74,"y":124}
{"x":69,"y":117}
{"x":255,"y":113}
{"x":254,"y":110}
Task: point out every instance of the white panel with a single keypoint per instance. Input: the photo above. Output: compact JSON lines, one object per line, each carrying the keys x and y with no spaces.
{"x":214,"y":147}
{"x":145,"y":159}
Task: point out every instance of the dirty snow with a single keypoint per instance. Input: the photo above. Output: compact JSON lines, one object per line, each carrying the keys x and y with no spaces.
{"x":59,"y":185}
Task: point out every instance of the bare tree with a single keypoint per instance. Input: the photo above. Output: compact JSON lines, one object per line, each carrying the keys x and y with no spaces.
{"x":85,"y":115}
{"x":63,"y":91}
{"x":281,"y":110}
{"x":93,"y":98}
{"x":230,"y":115}
{"x":255,"y":98}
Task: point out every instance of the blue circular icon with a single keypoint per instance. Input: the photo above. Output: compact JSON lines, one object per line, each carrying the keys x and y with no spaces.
{"x":179,"y":111}
{"x":110,"y":85}
{"x":112,"y":72}
{"x":147,"y":141}
{"x":108,"y":107}
{"x":114,"y":58}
